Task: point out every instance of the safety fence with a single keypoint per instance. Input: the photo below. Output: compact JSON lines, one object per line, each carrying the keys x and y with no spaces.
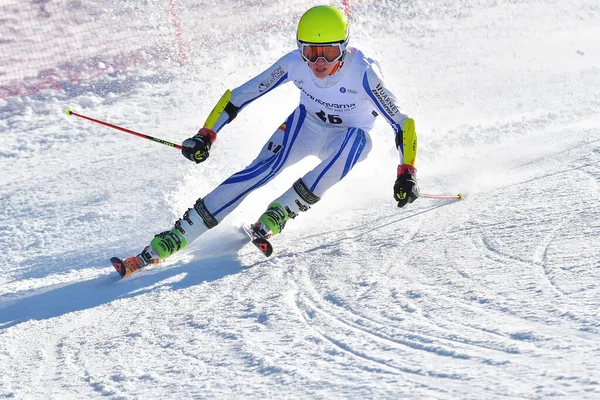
{"x":48,"y":43}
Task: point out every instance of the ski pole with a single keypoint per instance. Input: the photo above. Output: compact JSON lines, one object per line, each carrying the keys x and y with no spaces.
{"x":458,"y":196}
{"x":177,"y":146}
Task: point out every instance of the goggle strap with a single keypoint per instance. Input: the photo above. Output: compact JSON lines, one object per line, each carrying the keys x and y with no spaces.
{"x":338,"y":65}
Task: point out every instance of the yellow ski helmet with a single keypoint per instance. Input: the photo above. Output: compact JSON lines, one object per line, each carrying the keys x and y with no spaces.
{"x":323,"y":24}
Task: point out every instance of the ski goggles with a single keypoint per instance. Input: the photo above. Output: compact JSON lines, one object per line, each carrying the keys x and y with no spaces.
{"x":331,"y":52}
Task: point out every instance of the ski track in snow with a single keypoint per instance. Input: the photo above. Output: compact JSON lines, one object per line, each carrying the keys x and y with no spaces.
{"x":493,"y":297}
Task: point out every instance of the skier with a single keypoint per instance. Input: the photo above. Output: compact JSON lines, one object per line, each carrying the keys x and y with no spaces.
{"x":342,"y":92}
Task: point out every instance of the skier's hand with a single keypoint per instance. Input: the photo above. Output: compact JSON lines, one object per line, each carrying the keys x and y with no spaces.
{"x":197,"y":147}
{"x":406,"y":189}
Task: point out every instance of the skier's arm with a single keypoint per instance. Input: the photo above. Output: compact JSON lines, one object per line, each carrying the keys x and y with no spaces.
{"x":386,"y":104}
{"x":197,"y":148}
{"x":405,"y":187}
{"x":263,"y":83}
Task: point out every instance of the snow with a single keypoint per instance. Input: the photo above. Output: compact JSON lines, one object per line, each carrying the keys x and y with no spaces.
{"x":496,"y":296}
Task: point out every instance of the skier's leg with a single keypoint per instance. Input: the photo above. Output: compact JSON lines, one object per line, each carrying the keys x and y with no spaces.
{"x":284,"y":148}
{"x":339,"y":156}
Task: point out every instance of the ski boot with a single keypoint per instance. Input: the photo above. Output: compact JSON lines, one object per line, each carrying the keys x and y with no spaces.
{"x":195,"y":222}
{"x":270,"y":223}
{"x":131,"y":264}
{"x":162,"y":246}
{"x":297,"y":199}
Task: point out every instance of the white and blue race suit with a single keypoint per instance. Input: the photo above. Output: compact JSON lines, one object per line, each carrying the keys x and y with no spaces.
{"x":332,"y":122}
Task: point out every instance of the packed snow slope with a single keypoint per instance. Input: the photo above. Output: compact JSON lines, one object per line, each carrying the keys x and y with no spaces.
{"x":493,"y":297}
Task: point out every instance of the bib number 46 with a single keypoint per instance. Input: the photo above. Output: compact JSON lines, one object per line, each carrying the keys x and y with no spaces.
{"x":332,"y":119}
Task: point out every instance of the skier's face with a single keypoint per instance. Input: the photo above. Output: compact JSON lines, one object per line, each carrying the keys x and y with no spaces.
{"x":322,"y":68}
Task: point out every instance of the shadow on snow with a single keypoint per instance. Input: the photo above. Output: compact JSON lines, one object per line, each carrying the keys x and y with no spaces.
{"x":82,"y":295}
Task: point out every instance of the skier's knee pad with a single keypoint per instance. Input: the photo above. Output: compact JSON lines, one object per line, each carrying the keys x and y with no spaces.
{"x":298,"y":198}
{"x":196,"y":221}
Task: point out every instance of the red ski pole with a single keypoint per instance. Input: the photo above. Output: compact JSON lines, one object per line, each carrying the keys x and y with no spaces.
{"x":177,"y":146}
{"x":458,"y":196}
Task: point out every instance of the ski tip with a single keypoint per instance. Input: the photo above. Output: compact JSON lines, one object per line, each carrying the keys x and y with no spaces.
{"x":264,"y":246}
{"x":119,"y":266}
{"x":460,"y":196}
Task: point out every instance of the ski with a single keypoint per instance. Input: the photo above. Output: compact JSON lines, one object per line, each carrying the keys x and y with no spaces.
{"x":261,"y":243}
{"x":127,"y":266}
